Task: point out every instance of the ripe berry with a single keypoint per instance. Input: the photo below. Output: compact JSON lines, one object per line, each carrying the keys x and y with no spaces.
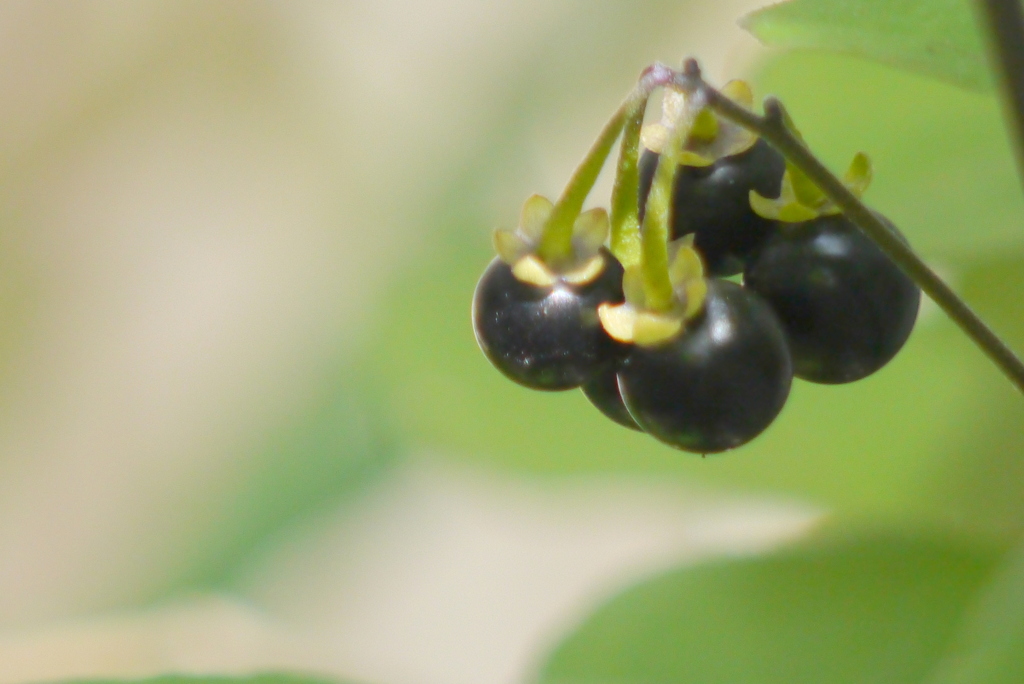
{"x":718,"y":384}
{"x":846,"y":307}
{"x":603,"y":392}
{"x":546,"y":338}
{"x":713,"y":202}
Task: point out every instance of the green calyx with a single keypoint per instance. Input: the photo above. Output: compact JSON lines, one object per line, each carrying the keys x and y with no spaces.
{"x":709,"y":137}
{"x":559,"y":240}
{"x":801,"y":200}
{"x":555,"y":245}
{"x":519,"y":247}
{"x":636,"y":321}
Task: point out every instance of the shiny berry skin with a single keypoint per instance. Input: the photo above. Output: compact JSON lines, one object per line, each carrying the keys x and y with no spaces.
{"x":546,"y":338}
{"x":714,"y":203}
{"x":603,"y":392}
{"x":717,"y":385}
{"x":846,"y":307}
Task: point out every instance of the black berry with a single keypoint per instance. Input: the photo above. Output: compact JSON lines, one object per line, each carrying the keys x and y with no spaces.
{"x":717,"y":385}
{"x":603,"y":392}
{"x":846,"y":307}
{"x":713,"y":202}
{"x":546,"y":338}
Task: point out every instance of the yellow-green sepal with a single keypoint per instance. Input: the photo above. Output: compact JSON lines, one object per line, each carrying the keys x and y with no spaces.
{"x":534,"y":216}
{"x":801,"y":200}
{"x":512,"y":245}
{"x":686,"y":272}
{"x":804,"y":190}
{"x":628,"y":324}
{"x":589,"y":232}
{"x":633,"y":322}
{"x":860,"y":174}
{"x":685,"y":264}
{"x":509,"y":244}
{"x":710,"y":137}
{"x":518,"y":247}
{"x":786,"y":207}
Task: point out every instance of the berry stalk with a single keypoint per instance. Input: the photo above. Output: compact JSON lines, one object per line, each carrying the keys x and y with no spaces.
{"x":655,"y":231}
{"x":772,"y":127}
{"x":625,"y":222}
{"x":556,"y":243}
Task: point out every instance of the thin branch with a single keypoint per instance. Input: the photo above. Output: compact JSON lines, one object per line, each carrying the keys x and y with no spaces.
{"x":1004,"y":23}
{"x":772,"y":127}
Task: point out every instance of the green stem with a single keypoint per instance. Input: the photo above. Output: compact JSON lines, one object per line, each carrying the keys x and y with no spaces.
{"x":654,"y":234}
{"x":556,"y":243}
{"x":772,"y":127}
{"x":625,"y":238}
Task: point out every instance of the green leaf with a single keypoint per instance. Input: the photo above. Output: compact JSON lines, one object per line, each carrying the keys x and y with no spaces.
{"x":878,"y":609}
{"x":990,"y":647}
{"x":266,"y":678}
{"x":937,"y":38}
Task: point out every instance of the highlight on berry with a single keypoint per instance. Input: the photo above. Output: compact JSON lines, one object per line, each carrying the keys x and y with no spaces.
{"x":632,"y":305}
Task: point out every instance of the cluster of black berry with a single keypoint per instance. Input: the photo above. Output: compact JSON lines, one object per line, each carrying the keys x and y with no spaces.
{"x":656,"y":335}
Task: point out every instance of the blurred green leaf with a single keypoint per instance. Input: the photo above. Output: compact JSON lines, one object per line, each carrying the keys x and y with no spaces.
{"x":990,"y":647}
{"x":267,"y":678}
{"x":979,"y":485}
{"x":328,"y":453}
{"x":937,"y":38}
{"x":876,"y":609}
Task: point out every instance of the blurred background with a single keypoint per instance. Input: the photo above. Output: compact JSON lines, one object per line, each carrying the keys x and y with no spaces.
{"x":243,"y":421}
